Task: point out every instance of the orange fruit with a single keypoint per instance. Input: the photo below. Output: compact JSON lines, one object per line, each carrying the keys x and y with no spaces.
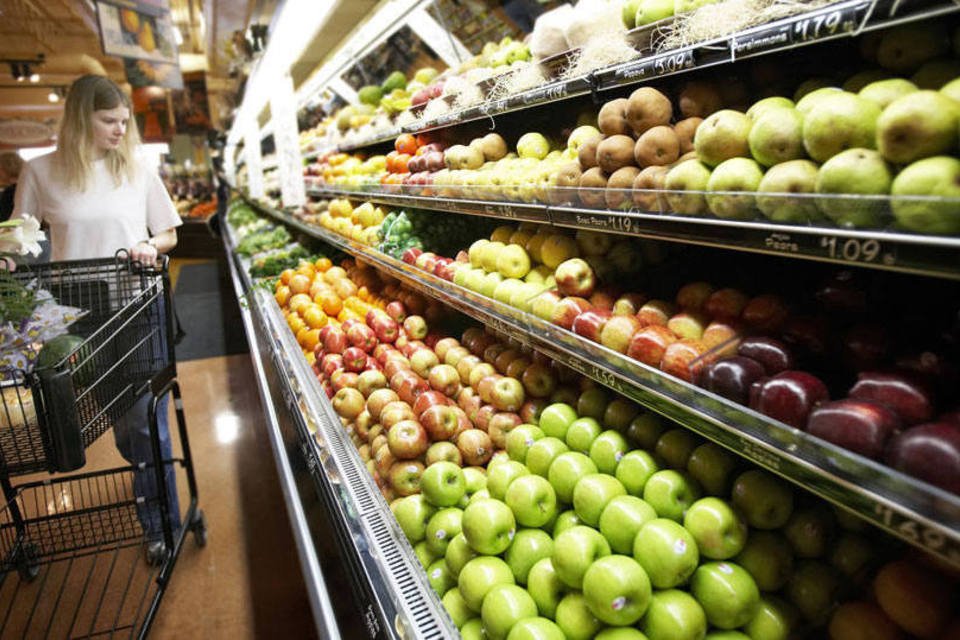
{"x":333,"y":274}
{"x":322,"y":264}
{"x":299,"y":301}
{"x":345,"y":288}
{"x":295,"y":323}
{"x":330,"y":302}
{"x":282,"y":295}
{"x":306,"y":268}
{"x":285,"y":275}
{"x":299,"y":283}
{"x":308,"y":338}
{"x":314,"y":316}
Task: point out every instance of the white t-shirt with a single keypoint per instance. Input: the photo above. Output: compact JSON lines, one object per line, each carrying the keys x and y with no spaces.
{"x":99,"y":221}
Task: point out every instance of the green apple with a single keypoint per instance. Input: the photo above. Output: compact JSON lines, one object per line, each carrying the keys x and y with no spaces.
{"x":776,"y":136}
{"x":472,"y":629}
{"x":773,"y":102}
{"x":918,"y":125}
{"x":622,"y":519}
{"x":474,"y":279}
{"x":524,"y":295}
{"x":575,"y":619}
{"x":619,"y":413}
{"x":412,"y":514}
{"x":650,"y":11}
{"x":782,"y":192}
{"x":542,"y":453}
{"x":440,"y":578}
{"x":775,"y":620}
{"x":529,"y":546}
{"x":566,"y":470}
{"x":813,"y":589}
{"x":883,"y":92}
{"x":854,"y":171}
{"x":475,"y":252}
{"x":479,"y":576}
{"x":423,"y":553}
{"x":533,"y":145}
{"x":767,"y":557}
{"x":721,"y":136}
{"x":726,"y":635}
{"x":727,"y":593}
{"x":443,"y":484}
{"x":483,"y":494}
{"x":607,"y":450}
{"x":545,"y":587}
{"x":674,"y":615}
{"x":504,"y":606}
{"x":458,"y":553}
{"x":628,"y":15}
{"x":720,"y":531}
{"x":489,"y":284}
{"x":574,"y":551}
{"x":853,"y":556}
{"x":765,"y":500}
{"x":592,"y":493}
{"x":532,"y":500}
{"x":634,"y":469}
{"x":593,"y":403}
{"x":460,"y":275}
{"x":521,"y":439}
{"x":442,"y":528}
{"x":667,"y":552}
{"x":617,"y":590}
{"x":952,"y":89}
{"x":455,"y":605}
{"x":581,"y":434}
{"x":645,"y":430}
{"x":476,"y":479}
{"x":513,"y":261}
{"x":620,"y":633}
{"x":507,"y":289}
{"x":839,"y":121}
{"x":692,"y":176}
{"x":810,"y":531}
{"x":938,"y":179}
{"x":858,"y":81}
{"x":711,"y":465}
{"x":556,"y":419}
{"x":489,"y":254}
{"x":676,"y":446}
{"x":536,"y":629}
{"x":488,"y":526}
{"x":564,"y":521}
{"x":500,"y":475}
{"x":671,"y":493}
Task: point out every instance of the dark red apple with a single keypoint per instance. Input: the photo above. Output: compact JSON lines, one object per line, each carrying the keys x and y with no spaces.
{"x":765,"y":313}
{"x":362,"y":336}
{"x":410,"y":255}
{"x":842,"y":293}
{"x":789,"y":397}
{"x":731,"y":377}
{"x":808,"y":333}
{"x":354,"y":359}
{"x":589,"y":324}
{"x":775,"y":356}
{"x":335,"y":341}
{"x":865,"y":346}
{"x":902,"y":393}
{"x":861,"y":426}
{"x":930,"y":452}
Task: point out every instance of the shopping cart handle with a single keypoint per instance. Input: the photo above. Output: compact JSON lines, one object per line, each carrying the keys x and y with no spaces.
{"x":163,"y":261}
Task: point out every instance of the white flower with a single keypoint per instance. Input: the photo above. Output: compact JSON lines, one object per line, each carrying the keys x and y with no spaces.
{"x":21,"y":236}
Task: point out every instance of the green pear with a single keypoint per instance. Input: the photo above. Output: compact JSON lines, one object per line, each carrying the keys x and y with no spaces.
{"x":629,"y":13}
{"x":810,"y":100}
{"x":837,"y":122}
{"x":735,"y":174}
{"x":723,"y":135}
{"x":689,"y":175}
{"x":904,"y":48}
{"x":858,"y":81}
{"x":652,"y":10}
{"x":760,"y":106}
{"x":936,"y":73}
{"x":883,"y":92}
{"x":918,"y":125}
{"x":952,"y":89}
{"x":793,"y":177}
{"x":777,"y":136}
{"x":854,"y":171}
{"x":811,"y":86}
{"x":938,"y":176}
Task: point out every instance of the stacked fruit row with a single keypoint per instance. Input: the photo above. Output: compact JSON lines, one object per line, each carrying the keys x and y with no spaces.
{"x":598,"y":519}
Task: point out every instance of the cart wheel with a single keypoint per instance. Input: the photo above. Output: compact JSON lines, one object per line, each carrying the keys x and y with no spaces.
{"x":199,"y":528}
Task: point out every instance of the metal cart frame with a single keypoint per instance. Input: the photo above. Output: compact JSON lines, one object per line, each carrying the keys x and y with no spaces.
{"x":72,"y":546}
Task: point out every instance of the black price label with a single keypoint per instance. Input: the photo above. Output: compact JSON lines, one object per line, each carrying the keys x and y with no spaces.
{"x":870,"y":250}
{"x":606,"y":222}
{"x":499,"y":211}
{"x":918,"y":534}
{"x":545,"y":94}
{"x":664,"y":64}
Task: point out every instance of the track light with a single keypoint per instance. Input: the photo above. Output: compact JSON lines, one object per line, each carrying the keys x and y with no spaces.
{"x":34,"y":77}
{"x":53,"y":96}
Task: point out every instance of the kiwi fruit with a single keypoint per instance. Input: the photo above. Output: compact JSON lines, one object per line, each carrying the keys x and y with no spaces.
{"x":647,"y":109}
{"x":593,"y":182}
{"x":699,"y":98}
{"x":619,"y":186}
{"x":657,"y":146}
{"x":612,"y":119}
{"x":588,"y":153}
{"x":651,"y":178}
{"x":615,"y":152}
{"x":685,"y":130}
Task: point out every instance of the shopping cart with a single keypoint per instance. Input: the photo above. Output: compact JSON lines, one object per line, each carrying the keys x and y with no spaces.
{"x":72,"y":548}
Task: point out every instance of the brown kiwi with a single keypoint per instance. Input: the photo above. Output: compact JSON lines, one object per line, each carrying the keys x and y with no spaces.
{"x":685,"y":130}
{"x":615,"y":152}
{"x":651,"y":178}
{"x":612,"y":119}
{"x":657,"y":146}
{"x":568,"y":179}
{"x":619,"y":186}
{"x":700,"y":98}
{"x":647,"y":109}
{"x":588,"y":153}
{"x":593,"y":182}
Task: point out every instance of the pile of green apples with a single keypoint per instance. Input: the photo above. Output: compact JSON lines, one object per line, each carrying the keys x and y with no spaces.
{"x":601,"y":521}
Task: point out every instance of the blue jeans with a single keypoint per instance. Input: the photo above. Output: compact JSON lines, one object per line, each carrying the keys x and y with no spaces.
{"x":132,"y":435}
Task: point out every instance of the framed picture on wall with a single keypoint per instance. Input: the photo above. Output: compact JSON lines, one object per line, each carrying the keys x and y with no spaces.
{"x":140,"y":30}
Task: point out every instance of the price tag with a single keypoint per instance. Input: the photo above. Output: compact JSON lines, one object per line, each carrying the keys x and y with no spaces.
{"x":827,"y":24}
{"x":869,"y":250}
{"x":661,"y":65}
{"x":781,"y":242}
{"x":606,"y":222}
{"x":761,"y":40}
{"x":918,"y":534}
{"x":545,"y":94}
{"x":803,"y":29}
{"x":499,"y":211}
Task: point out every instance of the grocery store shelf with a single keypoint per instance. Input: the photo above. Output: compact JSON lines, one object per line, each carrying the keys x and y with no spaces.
{"x":320,"y":470}
{"x":937,"y":256}
{"x":916,"y":512}
{"x":831,"y":22}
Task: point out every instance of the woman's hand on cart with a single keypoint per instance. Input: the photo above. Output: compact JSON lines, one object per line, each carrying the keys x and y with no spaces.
{"x":145,"y":253}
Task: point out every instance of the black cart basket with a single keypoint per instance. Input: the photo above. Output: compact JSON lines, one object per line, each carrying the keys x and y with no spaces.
{"x":73,"y":549}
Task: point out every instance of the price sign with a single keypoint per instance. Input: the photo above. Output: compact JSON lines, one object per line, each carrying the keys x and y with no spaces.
{"x":809,"y":27}
{"x":658,"y":66}
{"x":918,"y":534}
{"x":445,"y":119}
{"x":869,"y":250}
{"x":604,"y":222}
{"x":781,"y":242}
{"x":499,"y":211}
{"x":545,"y":94}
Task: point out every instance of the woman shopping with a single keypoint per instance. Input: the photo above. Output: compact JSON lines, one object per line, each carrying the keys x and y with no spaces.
{"x":96,"y":198}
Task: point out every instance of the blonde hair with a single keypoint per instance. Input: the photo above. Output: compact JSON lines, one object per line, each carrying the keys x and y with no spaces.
{"x":75,"y":144}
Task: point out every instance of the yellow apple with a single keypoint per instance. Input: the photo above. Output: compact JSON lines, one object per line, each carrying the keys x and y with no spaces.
{"x":513,"y":261}
{"x":558,"y":248}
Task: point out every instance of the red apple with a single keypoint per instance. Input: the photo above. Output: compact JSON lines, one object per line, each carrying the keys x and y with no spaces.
{"x":416,"y":327}
{"x":655,"y":312}
{"x":901,"y":392}
{"x":517,"y":368}
{"x":411,"y":387}
{"x":628,"y":304}
{"x":410,"y":255}
{"x":775,"y":356}
{"x":475,"y":446}
{"x":335,"y":340}
{"x":538,"y":380}
{"x":567,"y":310}
{"x":394,"y":412}
{"x":506,"y":358}
{"x":604,"y":298}
{"x":688,"y":324}
{"x":590,"y":323}
{"x":692,"y":296}
{"x":532,"y":408}
{"x":405,"y":477}
{"x":722,"y":332}
{"x":407,"y":440}
{"x":731,"y":377}
{"x":866,"y":346}
{"x":440,"y":422}
{"x":575,"y":278}
{"x":789,"y":397}
{"x":444,"y":379}
{"x":618,"y":331}
{"x":428,"y":399}
{"x":331,"y":363}
{"x":808,"y":333}
{"x":385,"y":328}
{"x":858,"y":425}
{"x":725,"y":304}
{"x":443,"y":345}
{"x":507,"y":394}
{"x":683,"y":359}
{"x":395,"y":364}
{"x":765,"y":313}
{"x":396,"y":311}
{"x":930,"y":452}
{"x":500,"y":425}
{"x":492,"y":352}
{"x":383,"y":459}
{"x":482,"y":418}
{"x":378,"y":399}
{"x":354,"y":359}
{"x":362,"y":336}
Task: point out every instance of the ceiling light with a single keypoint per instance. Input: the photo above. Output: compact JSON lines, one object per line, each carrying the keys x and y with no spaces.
{"x":53,"y":96}
{"x":34,"y":77}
